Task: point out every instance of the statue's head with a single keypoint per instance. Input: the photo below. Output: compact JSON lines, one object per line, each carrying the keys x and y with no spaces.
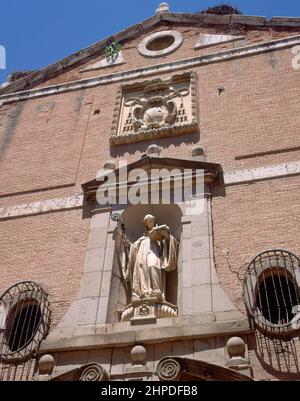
{"x":149,"y":221}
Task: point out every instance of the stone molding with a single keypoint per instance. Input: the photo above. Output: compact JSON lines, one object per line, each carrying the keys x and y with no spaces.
{"x":152,"y":70}
{"x":233,"y":177}
{"x":50,"y":205}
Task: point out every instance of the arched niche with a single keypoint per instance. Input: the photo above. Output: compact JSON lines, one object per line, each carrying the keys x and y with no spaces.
{"x":132,"y":217}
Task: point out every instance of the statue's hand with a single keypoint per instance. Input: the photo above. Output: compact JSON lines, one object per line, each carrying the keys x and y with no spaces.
{"x":165,"y":234}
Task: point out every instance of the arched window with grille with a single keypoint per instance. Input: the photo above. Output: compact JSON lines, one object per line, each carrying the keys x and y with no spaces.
{"x":271,"y":292}
{"x":24,"y":321}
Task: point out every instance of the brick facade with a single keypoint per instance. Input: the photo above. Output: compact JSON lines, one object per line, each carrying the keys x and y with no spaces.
{"x":51,"y":145}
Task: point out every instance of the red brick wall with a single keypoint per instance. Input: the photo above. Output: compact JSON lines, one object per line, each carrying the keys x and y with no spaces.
{"x":51,"y":145}
{"x":48,"y":249}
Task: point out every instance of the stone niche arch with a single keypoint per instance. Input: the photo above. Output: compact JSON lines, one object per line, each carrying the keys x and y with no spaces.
{"x":132,"y":217}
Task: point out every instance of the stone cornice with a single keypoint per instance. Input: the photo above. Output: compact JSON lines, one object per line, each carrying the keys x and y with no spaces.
{"x":122,"y":334}
{"x":234,"y":177}
{"x":139,"y":73}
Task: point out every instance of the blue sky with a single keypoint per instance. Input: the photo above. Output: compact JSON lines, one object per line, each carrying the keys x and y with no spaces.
{"x":36,"y":33}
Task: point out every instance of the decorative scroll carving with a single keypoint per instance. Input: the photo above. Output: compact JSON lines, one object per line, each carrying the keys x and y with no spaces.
{"x":154,"y":109}
{"x":168,"y":369}
{"x":93,"y":373}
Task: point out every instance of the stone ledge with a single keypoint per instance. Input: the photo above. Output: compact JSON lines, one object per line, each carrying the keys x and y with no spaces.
{"x":284,"y":21}
{"x":252,"y":20}
{"x":148,"y":334}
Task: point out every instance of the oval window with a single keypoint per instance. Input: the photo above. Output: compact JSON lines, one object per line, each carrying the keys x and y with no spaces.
{"x":160,"y":43}
{"x":25,"y":321}
{"x":271,"y":292}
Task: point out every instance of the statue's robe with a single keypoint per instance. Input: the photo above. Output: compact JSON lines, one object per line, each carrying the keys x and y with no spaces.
{"x":148,"y":263}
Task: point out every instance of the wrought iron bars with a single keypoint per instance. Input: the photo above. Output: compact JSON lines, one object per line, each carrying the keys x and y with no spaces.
{"x":271,"y":291}
{"x":25,"y":321}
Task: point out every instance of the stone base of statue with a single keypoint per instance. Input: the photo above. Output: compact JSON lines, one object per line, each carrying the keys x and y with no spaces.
{"x":147,"y":310}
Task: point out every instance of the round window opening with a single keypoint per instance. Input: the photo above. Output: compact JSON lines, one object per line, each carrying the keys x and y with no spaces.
{"x":276,"y":296}
{"x":22,"y":324}
{"x":25,"y":318}
{"x":161,"y":43}
{"x":271,"y":293}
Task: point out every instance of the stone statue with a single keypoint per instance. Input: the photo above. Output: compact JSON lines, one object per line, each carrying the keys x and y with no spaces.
{"x":146,"y":261}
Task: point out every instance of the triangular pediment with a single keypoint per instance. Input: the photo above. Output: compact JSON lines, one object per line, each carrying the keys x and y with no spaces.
{"x":96,"y":51}
{"x":212,"y":171}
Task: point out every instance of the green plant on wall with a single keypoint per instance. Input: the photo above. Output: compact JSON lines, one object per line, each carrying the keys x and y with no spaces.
{"x":112,"y":51}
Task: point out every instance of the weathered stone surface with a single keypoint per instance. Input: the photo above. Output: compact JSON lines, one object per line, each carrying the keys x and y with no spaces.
{"x":105,"y":63}
{"x":208,"y":350}
{"x":247,"y":20}
{"x":94,"y":260}
{"x":91,"y":284}
{"x":102,"y":309}
{"x":103,"y":358}
{"x":284,"y":21}
{"x":97,"y":238}
{"x":200,"y":247}
{"x":205,"y":39}
{"x":201,"y":272}
{"x":216,"y":19}
{"x":88,"y":311}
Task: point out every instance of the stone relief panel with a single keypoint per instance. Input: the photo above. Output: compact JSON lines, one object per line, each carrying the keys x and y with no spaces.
{"x":154,"y":109}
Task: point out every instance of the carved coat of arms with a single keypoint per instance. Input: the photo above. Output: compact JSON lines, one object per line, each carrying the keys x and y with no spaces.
{"x":154,"y":109}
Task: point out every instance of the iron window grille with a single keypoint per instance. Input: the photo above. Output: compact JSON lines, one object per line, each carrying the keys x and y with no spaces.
{"x":271,"y":292}
{"x":25,"y":317}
